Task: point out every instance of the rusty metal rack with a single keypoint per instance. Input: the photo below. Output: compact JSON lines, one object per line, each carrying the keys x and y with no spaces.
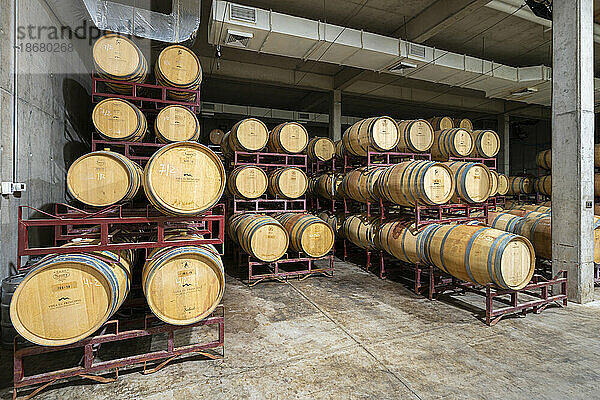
{"x":267,"y":205}
{"x":147,"y":224}
{"x":538,"y":293}
{"x":290,"y":265}
{"x":147,"y":97}
{"x":268,"y":162}
{"x":488,"y":162}
{"x":496,"y":201}
{"x":135,"y":151}
{"x":534,"y":297}
{"x":135,"y":330}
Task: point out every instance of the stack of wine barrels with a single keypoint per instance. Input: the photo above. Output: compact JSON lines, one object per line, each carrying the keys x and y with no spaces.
{"x":486,"y":144}
{"x":176,"y":123}
{"x":361,"y":184}
{"x":320,"y":149}
{"x":441,"y":123}
{"x":519,"y":185}
{"x":456,"y":142}
{"x":119,"y":120}
{"x":415,"y":136}
{"x":308,"y":234}
{"x":360,"y":230}
{"x":416,"y":182}
{"x":260,"y":236}
{"x":103,"y":178}
{"x":248,"y":182}
{"x":65,"y":298}
{"x":288,"y":183}
{"x":289,"y":137}
{"x":473,"y":181}
{"x":371,"y":134}
{"x":184,"y":178}
{"x":543,"y":185}
{"x":183,"y":285}
{"x":327,"y":185}
{"x":178,"y":67}
{"x":118,"y":58}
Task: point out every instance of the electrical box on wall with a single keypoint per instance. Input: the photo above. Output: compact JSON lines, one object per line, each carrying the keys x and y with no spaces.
{"x":9,"y":188}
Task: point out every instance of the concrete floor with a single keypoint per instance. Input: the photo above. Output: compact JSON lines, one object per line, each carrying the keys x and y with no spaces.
{"x":355,"y":336}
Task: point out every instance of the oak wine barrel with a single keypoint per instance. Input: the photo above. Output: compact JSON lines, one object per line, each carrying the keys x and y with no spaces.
{"x":288,"y":138}
{"x":225,"y":148}
{"x":473,"y":181}
{"x":320,"y":149}
{"x":502,"y":184}
{"x":464,"y":123}
{"x":184,"y":178}
{"x":543,"y":159}
{"x":178,"y":67}
{"x":118,"y":58}
{"x":481,"y":255}
{"x":415,"y":136}
{"x":597,"y":185}
{"x":183,"y":285}
{"x":216,"y":136}
{"x":103,"y":178}
{"x":519,"y":185}
{"x":260,"y":236}
{"x":456,"y":142}
{"x":543,"y":185}
{"x":400,"y":239}
{"x":288,"y":183}
{"x":361,"y":184}
{"x":248,"y":182}
{"x":119,"y":120}
{"x":334,"y":220}
{"x":371,"y":134}
{"x":248,"y":135}
{"x":339,"y":149}
{"x":486,"y":144}
{"x":327,"y":185}
{"x":360,"y":230}
{"x":412,"y":182}
{"x":308,"y":234}
{"x":494,"y":183}
{"x":176,"y":123}
{"x":65,"y":298}
{"x":442,"y":123}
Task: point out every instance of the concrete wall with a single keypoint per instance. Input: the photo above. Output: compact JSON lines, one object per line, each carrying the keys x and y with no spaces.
{"x":53,"y":117}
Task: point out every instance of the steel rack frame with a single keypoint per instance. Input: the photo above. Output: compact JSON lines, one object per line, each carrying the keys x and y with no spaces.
{"x":491,"y":163}
{"x":135,"y":151}
{"x":268,"y":162}
{"x":139,"y":329}
{"x":537,"y":302}
{"x":70,"y":222}
{"x":148,"y":97}
{"x":299,"y":265}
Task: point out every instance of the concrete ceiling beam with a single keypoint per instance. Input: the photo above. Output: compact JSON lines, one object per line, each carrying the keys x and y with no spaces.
{"x":436,"y":18}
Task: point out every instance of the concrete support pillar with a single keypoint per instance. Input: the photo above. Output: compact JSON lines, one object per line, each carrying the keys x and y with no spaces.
{"x":504,"y":133}
{"x":573,"y":145}
{"x":335,"y":115}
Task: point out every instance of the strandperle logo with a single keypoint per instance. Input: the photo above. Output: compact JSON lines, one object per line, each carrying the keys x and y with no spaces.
{"x":85,"y":30}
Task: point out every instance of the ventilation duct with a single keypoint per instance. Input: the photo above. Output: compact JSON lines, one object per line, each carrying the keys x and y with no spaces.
{"x":179,"y":26}
{"x":290,"y":36}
